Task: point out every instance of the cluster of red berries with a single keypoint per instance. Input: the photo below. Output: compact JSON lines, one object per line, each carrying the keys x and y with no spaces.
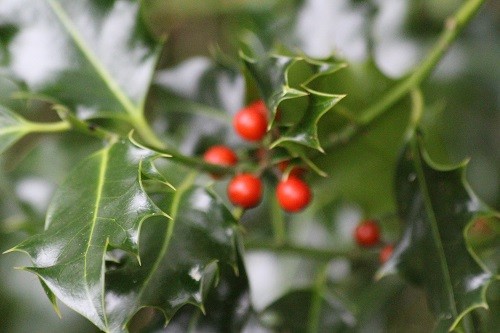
{"x":367,"y":234}
{"x":245,"y":189}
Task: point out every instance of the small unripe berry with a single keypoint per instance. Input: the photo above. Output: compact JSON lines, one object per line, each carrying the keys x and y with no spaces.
{"x":245,"y":190}
{"x":386,"y":253}
{"x":293,"y":194}
{"x":251,"y":122}
{"x":367,"y":233}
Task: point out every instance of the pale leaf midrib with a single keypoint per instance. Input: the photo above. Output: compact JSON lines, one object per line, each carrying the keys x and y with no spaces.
{"x":13,"y":129}
{"x":93,"y":60}
{"x":99,"y":189}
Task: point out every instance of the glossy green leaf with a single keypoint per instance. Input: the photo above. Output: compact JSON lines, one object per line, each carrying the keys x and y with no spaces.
{"x":93,"y":56}
{"x":180,"y":258}
{"x":272,"y":75}
{"x":305,"y":132}
{"x":12,"y":128}
{"x":35,"y":177}
{"x":226,"y":309}
{"x":101,"y":204}
{"x":437,"y":206}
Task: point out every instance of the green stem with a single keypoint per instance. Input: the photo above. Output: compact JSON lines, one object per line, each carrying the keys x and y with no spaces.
{"x":82,"y":126}
{"x":198,"y":162}
{"x":310,"y":252}
{"x":151,"y":140}
{"x":417,"y":110}
{"x":278,"y":222}
{"x":453,"y":27}
{"x":54,"y":127}
{"x":316,"y":300}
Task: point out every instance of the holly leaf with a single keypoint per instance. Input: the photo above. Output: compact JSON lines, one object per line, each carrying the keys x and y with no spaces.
{"x":227,"y":307}
{"x":272,"y":75}
{"x":57,"y":48}
{"x":180,"y":259}
{"x":101,"y":204}
{"x":437,"y":206}
{"x":305,"y":132}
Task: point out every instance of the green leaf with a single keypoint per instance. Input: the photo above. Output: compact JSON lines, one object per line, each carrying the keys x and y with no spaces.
{"x":12,"y":128}
{"x":180,"y":259}
{"x":271,"y":74}
{"x":101,"y":204}
{"x":95,"y":57}
{"x":227,"y":307}
{"x":437,"y":206}
{"x":305,"y":131}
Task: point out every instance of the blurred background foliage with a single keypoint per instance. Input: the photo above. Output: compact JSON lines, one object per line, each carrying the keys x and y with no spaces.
{"x":462,"y":120}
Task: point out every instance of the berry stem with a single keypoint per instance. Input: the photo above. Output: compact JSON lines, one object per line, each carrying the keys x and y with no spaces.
{"x":278,"y":222}
{"x":316,"y":301}
{"x":453,"y":27}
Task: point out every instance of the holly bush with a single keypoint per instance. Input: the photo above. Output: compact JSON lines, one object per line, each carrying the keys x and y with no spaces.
{"x":216,"y":166}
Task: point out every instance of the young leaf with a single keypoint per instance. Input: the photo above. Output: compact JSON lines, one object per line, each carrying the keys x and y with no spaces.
{"x":12,"y":128}
{"x":61,"y":48}
{"x":437,"y":205}
{"x":102,"y":203}
{"x":271,"y":74}
{"x":305,"y":132}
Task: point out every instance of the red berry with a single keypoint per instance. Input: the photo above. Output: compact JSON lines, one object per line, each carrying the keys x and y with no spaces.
{"x":367,"y":233}
{"x":251,"y":122}
{"x":245,"y":190}
{"x":293,"y":194}
{"x":260,"y":106}
{"x":220,"y":155}
{"x":386,"y":253}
